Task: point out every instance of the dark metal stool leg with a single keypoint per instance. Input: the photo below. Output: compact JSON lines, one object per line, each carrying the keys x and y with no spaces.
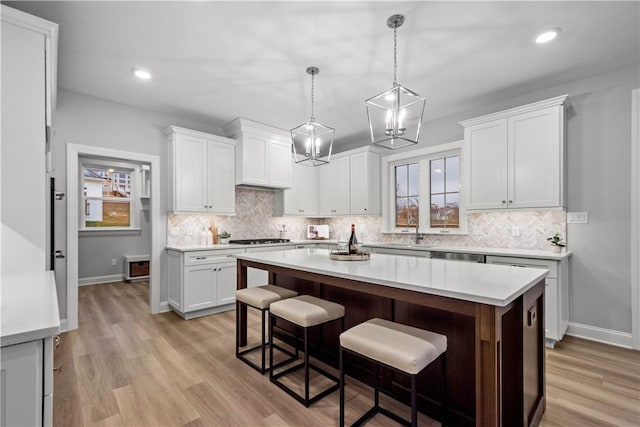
{"x":414,"y":402}
{"x":262,"y":371}
{"x":443,"y":421}
{"x":341,"y":388}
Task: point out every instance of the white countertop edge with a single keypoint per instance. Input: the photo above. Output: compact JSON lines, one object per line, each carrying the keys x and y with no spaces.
{"x":520,"y":253}
{"x":466,"y":296}
{"x":29,"y":307}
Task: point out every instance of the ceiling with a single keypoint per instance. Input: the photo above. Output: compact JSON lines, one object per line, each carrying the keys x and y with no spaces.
{"x":214,"y":61}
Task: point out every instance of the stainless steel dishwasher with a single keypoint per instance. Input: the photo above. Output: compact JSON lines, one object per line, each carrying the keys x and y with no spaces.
{"x":458,"y":256}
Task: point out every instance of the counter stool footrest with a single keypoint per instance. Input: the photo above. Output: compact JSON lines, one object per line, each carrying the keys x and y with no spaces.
{"x":275,"y":380}
{"x":241,"y":355}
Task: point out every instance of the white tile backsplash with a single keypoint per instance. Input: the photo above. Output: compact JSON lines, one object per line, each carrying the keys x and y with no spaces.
{"x":255,"y":219}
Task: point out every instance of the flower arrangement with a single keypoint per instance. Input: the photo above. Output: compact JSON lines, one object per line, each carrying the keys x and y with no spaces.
{"x":224,"y":235}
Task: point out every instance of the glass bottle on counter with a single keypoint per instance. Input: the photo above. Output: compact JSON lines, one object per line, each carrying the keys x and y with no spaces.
{"x":353,"y":241}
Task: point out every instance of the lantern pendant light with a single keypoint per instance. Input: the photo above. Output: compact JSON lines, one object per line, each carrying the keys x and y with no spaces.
{"x":312,"y":142}
{"x":395,"y":115}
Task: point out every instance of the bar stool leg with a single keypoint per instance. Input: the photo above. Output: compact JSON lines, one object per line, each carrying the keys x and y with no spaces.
{"x":237,"y":328}
{"x":341,"y":388}
{"x":263,"y":341}
{"x":306,"y":367}
{"x":270,"y":346}
{"x":443,"y":421}
{"x":414,"y":402}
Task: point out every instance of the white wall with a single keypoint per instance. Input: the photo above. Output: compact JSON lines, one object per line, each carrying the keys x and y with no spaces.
{"x":86,"y":120}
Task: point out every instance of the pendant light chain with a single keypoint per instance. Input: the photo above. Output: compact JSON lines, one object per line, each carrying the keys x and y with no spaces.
{"x":395,"y":57}
{"x":312,"y":94}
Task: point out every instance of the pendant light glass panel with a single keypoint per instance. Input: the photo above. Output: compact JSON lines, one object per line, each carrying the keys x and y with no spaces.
{"x":395,"y":117}
{"x":312,"y":143}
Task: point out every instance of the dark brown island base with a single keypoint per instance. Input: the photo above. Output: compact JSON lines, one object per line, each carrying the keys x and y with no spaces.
{"x":493,"y":317}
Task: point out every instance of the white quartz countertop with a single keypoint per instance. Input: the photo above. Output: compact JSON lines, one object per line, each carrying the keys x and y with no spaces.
{"x":491,"y":284}
{"x":520,"y":253}
{"x":29,"y":305}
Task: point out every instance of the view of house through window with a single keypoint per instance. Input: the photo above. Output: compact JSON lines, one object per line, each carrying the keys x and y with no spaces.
{"x":445,"y":192}
{"x":107,"y":197}
{"x":407,"y":195}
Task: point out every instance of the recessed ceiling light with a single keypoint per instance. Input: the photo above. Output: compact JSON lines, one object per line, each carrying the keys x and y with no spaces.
{"x":547,"y":36}
{"x":142,"y":74}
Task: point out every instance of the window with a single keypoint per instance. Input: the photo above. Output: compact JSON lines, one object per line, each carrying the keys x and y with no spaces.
{"x":107,"y":191}
{"x":445,"y":192}
{"x":407,"y":196}
{"x":424,"y":191}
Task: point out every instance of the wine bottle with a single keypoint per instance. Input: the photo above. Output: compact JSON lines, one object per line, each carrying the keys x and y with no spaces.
{"x":353,"y":241}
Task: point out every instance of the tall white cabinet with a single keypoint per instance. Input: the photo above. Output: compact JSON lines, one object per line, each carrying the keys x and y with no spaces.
{"x":28,"y":85}
{"x":515,"y":158}
{"x":201,"y":170}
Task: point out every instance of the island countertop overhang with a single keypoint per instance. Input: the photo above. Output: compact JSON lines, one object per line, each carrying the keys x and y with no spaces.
{"x":496,"y":285}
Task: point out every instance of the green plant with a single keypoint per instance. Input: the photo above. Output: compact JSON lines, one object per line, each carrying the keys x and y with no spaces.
{"x":556,"y":240}
{"x":224,"y":235}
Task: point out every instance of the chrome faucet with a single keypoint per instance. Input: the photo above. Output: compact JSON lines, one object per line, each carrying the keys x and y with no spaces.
{"x":419,"y":236}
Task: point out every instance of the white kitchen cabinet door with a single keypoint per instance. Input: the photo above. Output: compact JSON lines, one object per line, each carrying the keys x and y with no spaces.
{"x":226,"y":283}
{"x":302,"y":198}
{"x":334,"y":187}
{"x":252,"y":163}
{"x":485,"y":163}
{"x":191,"y":180}
{"x":21,"y":378}
{"x":199,"y":287}
{"x":364,"y":171}
{"x":279,"y":164}
{"x":535,"y":159}
{"x":221,"y":177}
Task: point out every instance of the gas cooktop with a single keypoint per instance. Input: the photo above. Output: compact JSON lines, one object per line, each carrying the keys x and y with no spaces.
{"x":258,"y":241}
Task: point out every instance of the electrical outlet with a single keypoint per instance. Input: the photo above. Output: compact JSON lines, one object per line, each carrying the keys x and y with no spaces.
{"x":515,"y":231}
{"x":113,"y":261}
{"x":477,"y":230}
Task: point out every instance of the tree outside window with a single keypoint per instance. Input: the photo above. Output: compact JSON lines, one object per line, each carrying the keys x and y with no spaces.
{"x":407,"y":195}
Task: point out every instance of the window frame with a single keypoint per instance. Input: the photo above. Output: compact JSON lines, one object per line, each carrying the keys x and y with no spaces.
{"x":422,"y":156}
{"x":134,"y":203}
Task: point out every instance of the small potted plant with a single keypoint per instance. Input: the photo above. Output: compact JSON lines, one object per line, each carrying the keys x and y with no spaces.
{"x":224,"y":237}
{"x":556,"y":242}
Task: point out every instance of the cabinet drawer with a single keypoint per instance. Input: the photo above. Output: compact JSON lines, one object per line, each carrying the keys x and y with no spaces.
{"x":552,"y":266}
{"x":207,"y":257}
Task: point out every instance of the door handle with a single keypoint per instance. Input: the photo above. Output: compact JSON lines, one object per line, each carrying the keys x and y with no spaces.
{"x":59,"y":254}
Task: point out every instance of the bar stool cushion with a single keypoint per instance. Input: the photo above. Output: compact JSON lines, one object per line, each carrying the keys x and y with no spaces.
{"x":307,"y":310}
{"x":403,"y":347}
{"x":261,"y":297}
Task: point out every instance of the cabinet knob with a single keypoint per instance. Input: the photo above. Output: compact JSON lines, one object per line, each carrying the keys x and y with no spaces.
{"x":504,"y":201}
{"x":510,"y":201}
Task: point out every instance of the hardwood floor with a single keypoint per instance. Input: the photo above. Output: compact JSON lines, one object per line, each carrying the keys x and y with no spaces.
{"x":125,"y":367}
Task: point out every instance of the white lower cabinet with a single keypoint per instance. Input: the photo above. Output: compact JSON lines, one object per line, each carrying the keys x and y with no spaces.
{"x":556,"y":293}
{"x":202,"y":282}
{"x":27,"y":372}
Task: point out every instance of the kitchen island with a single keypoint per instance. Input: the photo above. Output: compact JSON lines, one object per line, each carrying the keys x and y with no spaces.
{"x":492,"y":316}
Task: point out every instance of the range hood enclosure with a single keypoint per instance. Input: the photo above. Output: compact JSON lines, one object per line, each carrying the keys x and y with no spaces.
{"x":263,"y":154}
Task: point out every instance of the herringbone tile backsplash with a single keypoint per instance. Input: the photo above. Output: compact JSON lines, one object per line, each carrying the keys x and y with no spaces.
{"x":255,"y":219}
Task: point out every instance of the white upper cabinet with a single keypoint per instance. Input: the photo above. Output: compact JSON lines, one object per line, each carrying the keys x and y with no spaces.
{"x":515,"y":158}
{"x":263,"y":154}
{"x":302,"y":198}
{"x":365,"y":183}
{"x":334,"y":187}
{"x":202,"y":171}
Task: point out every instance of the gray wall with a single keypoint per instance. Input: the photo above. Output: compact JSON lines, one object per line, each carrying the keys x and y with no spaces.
{"x":86,"y":120}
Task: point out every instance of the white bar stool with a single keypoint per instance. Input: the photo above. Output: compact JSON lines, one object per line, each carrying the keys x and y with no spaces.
{"x":304,"y":312}
{"x":260,"y":298}
{"x":404,"y":349}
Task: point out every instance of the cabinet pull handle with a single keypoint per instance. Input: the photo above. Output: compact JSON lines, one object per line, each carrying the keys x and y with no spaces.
{"x":57,"y":368}
{"x":201,"y":257}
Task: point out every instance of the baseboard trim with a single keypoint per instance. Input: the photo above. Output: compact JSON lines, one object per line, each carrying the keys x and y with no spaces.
{"x":100,"y":279}
{"x":606,"y":336}
{"x":164,"y":307}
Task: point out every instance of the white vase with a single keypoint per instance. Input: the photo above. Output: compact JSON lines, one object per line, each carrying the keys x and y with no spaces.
{"x":556,"y":249}
{"x":224,"y":241}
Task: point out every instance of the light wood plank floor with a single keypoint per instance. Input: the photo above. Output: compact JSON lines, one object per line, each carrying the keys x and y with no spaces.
{"x":125,"y":367}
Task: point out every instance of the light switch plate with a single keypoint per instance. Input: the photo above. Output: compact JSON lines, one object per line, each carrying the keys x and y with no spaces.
{"x":515,"y":231}
{"x":577,"y":217}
